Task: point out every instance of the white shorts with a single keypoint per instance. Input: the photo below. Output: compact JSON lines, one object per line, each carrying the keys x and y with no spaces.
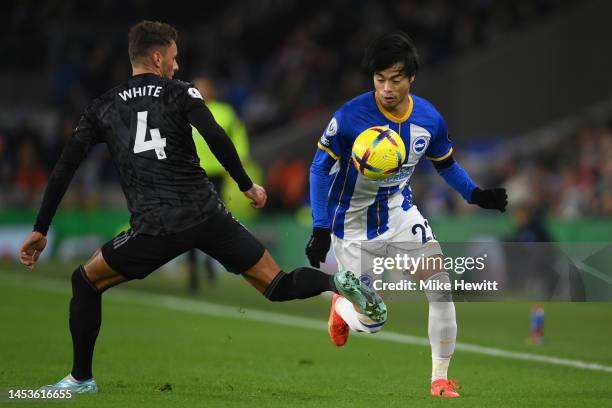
{"x":415,"y":238}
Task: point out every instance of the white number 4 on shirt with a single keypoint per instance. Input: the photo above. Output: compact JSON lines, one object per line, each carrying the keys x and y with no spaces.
{"x":157,"y":142}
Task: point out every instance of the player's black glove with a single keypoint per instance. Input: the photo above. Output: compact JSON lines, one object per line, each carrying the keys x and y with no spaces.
{"x":318,"y":246}
{"x":492,"y":199}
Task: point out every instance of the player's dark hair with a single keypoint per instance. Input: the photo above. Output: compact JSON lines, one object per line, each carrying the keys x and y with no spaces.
{"x":147,"y":34}
{"x":390,"y":49}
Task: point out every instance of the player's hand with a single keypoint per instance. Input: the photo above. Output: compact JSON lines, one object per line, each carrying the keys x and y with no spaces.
{"x":492,"y":199}
{"x":31,"y":249}
{"x":257,"y":195}
{"x":318,"y":246}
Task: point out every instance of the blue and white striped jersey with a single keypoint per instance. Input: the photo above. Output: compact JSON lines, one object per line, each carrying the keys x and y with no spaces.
{"x":358,"y":208}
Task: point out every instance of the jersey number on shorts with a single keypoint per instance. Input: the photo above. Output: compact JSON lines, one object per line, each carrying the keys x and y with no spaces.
{"x":156,"y":143}
{"x":424,"y":237}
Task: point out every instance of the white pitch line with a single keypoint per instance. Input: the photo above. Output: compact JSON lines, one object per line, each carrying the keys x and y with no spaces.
{"x":212,"y":309}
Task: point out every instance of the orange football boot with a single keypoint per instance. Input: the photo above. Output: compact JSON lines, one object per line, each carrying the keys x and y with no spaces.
{"x":445,"y":388}
{"x":336,"y":327}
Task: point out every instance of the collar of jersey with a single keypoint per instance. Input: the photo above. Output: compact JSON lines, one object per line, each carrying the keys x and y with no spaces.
{"x":391,"y":116}
{"x":143,"y":74}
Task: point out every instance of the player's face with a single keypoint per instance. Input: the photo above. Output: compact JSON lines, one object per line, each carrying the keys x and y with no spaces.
{"x":168,"y":61}
{"x":392,"y":86}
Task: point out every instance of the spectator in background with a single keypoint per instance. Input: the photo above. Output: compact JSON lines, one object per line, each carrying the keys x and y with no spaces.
{"x":227,"y":118}
{"x":6,"y":163}
{"x":30,"y":175}
{"x":286,"y":184}
{"x":272,"y":81}
{"x":529,"y":224}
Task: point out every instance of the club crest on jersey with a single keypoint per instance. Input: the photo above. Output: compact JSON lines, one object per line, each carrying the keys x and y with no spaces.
{"x":194,"y":93}
{"x":419,"y":145}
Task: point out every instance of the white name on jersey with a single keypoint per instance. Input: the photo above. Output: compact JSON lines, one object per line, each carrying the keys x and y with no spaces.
{"x":147,"y":90}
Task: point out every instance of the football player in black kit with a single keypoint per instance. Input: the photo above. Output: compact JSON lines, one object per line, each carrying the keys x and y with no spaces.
{"x":146,"y":124}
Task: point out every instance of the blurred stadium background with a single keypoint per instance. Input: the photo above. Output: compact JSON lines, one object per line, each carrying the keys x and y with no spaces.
{"x":525,"y":87}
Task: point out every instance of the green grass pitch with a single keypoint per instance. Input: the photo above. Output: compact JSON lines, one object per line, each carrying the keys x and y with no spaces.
{"x":152,"y":355}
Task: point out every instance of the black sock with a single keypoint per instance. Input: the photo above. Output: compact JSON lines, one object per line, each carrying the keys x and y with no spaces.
{"x":85,"y":319}
{"x":301,"y":283}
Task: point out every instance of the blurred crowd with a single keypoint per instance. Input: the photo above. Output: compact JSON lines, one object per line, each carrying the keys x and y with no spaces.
{"x":569,"y":178}
{"x":275,"y":62}
{"x":572,"y":177}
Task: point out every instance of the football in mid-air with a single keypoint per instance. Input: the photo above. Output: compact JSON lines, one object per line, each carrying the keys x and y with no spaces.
{"x":378,"y":152}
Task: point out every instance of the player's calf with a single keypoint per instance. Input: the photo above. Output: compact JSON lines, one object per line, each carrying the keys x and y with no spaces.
{"x":301,"y":283}
{"x":442,"y":327}
{"x":276,"y":285}
{"x":85,"y":320}
{"x":88,"y":284}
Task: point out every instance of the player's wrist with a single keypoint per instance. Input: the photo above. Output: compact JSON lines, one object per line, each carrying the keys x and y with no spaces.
{"x":475,"y":195}
{"x":42,"y":230}
{"x":321,"y":231}
{"x":245,"y":185}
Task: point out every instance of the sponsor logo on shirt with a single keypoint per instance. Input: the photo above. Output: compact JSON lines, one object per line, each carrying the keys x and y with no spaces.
{"x":404,"y":174}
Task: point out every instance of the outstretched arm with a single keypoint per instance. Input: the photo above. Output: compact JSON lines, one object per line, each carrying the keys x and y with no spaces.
{"x":460,"y":181}
{"x":224,"y":150}
{"x":329,"y":149}
{"x":220,"y":144}
{"x":320,"y":182}
{"x":75,"y":151}
{"x":440,"y":152}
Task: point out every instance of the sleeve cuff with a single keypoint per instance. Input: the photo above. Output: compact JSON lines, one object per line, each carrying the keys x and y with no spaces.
{"x":450,"y":151}
{"x":41,"y":229}
{"x":245,"y":185}
{"x":328,"y":150}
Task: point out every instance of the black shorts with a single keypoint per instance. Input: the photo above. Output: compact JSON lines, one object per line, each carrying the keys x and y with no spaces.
{"x":135,"y":256}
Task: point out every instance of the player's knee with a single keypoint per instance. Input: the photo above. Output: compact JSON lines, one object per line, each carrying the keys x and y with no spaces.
{"x":437,"y":281}
{"x":433,"y":266}
{"x":81,"y":285}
